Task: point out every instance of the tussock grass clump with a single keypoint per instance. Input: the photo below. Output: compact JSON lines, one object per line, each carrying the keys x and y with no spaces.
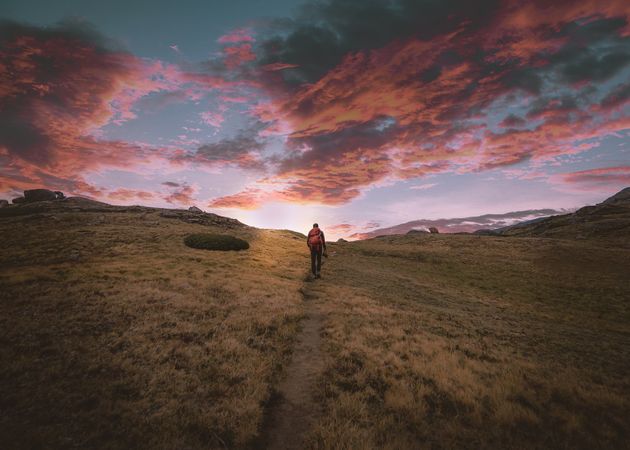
{"x":223,"y":242}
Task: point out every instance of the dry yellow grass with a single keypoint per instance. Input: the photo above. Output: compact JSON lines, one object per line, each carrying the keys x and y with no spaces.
{"x":475,"y":342}
{"x":115,"y":334}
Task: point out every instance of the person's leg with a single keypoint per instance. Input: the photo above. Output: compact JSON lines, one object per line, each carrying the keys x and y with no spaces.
{"x":319,"y":261}
{"x":313,"y":258}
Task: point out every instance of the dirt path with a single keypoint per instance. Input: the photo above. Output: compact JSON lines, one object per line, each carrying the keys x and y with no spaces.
{"x":292,"y":415}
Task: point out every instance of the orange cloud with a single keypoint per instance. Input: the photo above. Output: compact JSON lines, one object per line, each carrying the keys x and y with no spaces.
{"x":129,"y":194}
{"x":237,"y":35}
{"x":596,"y":179}
{"x":247,"y":199}
{"x":238,"y":54}
{"x":181,"y":194}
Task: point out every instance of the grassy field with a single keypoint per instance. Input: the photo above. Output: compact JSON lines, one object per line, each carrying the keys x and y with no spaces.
{"x":114,"y":334}
{"x":440,"y":341}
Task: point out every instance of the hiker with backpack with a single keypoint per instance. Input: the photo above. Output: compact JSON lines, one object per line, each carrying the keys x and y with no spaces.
{"x":317,"y":244}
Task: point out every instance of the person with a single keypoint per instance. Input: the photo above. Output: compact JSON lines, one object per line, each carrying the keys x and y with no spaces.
{"x":317,"y":244}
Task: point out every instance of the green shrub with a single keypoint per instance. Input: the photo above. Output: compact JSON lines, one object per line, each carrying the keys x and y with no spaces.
{"x":208,"y":241}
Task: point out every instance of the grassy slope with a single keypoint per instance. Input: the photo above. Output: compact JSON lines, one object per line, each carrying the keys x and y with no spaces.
{"x":470,"y":341}
{"x":115,"y":334}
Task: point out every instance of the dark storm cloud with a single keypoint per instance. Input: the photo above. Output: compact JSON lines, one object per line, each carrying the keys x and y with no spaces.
{"x":327,"y":147}
{"x":229,"y":149}
{"x":512,"y":121}
{"x":595,"y":51}
{"x":617,"y":97}
{"x":242,"y":150}
{"x":545,"y":105}
{"x":34,"y":74}
{"x":324,"y":32}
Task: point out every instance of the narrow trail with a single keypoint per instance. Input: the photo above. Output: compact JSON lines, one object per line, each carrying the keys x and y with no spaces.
{"x":295,"y":411}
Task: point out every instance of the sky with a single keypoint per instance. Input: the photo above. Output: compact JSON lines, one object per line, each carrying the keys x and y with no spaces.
{"x":356,"y":114}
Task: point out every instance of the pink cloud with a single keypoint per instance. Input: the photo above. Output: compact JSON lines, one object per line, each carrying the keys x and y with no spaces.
{"x":213,"y":118}
{"x":605,"y":179}
{"x":237,"y":35}
{"x":237,"y":55}
{"x":125,"y":195}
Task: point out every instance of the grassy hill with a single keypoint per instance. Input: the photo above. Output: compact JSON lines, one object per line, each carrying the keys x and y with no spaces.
{"x":115,"y":334}
{"x":609,"y":220}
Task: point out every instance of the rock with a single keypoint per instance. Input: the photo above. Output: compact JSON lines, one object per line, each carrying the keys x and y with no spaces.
{"x":414,"y":231}
{"x":433,"y":230}
{"x":60,"y":195}
{"x":18,"y":200}
{"x":39,"y":195}
{"x":4,"y":203}
{"x":341,"y":241}
{"x":195,"y":209}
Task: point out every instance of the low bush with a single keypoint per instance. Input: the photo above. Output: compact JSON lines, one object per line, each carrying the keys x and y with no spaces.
{"x":221,"y":242}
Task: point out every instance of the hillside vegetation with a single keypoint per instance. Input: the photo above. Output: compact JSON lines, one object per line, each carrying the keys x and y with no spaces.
{"x":115,"y":334}
{"x":439,"y":341}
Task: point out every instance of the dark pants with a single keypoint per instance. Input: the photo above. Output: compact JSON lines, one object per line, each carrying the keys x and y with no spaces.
{"x":316,"y":260}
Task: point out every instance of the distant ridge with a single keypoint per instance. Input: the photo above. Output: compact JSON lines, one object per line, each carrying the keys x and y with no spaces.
{"x":461,"y":224}
{"x":608,"y":219}
{"x":82,"y":204}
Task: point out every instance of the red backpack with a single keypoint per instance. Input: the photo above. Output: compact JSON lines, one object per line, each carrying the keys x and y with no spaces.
{"x":314,"y":238}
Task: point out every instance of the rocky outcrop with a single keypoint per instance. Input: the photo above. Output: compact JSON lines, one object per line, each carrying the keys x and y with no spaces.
{"x":4,"y":203}
{"x":415,"y":231}
{"x":433,"y":230}
{"x":195,"y":209}
{"x":39,"y":195}
{"x":201,"y":218}
{"x":80,"y":205}
{"x":341,"y":241}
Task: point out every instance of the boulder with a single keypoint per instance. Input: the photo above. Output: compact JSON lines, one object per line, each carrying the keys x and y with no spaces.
{"x":433,"y":230}
{"x":195,"y":209}
{"x":341,"y":241}
{"x":4,"y":203}
{"x":60,"y":195}
{"x":39,"y":195}
{"x":18,"y":200}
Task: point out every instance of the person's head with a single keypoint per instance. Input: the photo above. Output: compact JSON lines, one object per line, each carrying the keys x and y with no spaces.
{"x":315,"y":225}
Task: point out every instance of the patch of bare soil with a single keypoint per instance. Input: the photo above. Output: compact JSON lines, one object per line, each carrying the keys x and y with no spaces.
{"x":294,"y":410}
